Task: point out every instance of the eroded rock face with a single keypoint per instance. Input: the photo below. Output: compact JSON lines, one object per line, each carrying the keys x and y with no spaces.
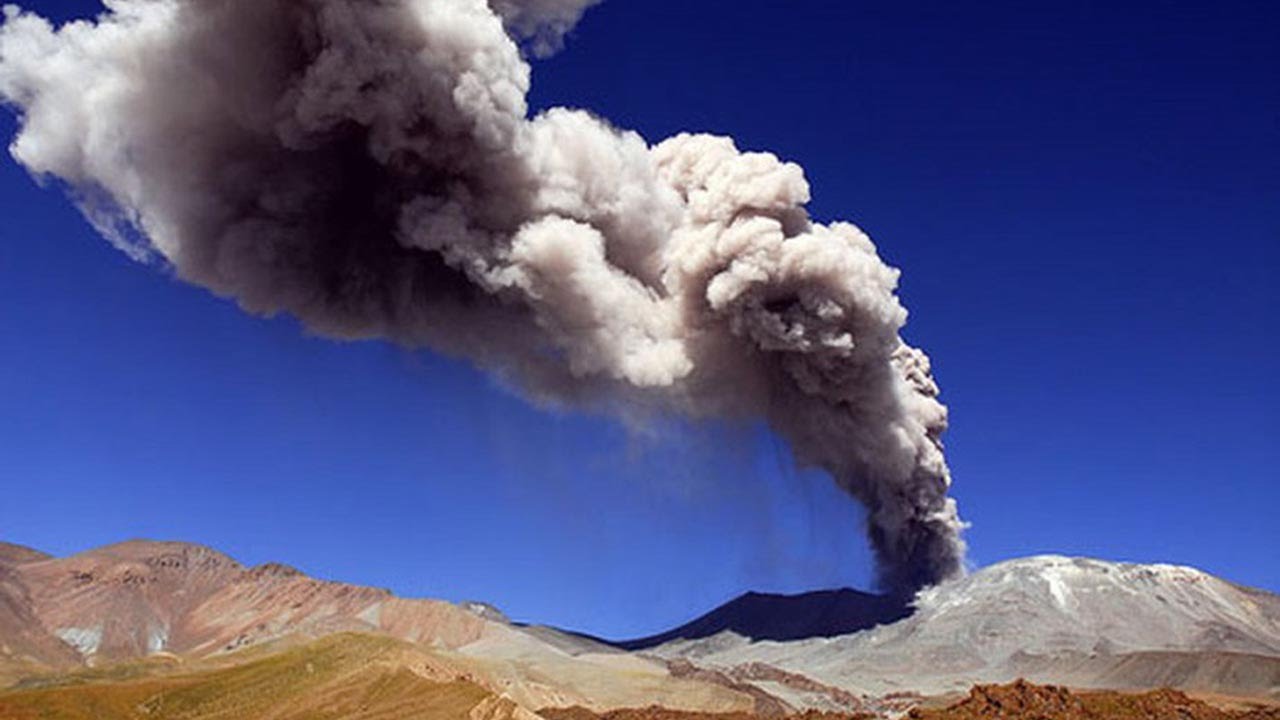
{"x":141,"y":598}
{"x":127,"y":600}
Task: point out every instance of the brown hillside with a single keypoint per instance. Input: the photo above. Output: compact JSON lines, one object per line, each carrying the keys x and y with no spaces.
{"x":139,"y":598}
{"x":358,"y":677}
{"x":11,"y":554}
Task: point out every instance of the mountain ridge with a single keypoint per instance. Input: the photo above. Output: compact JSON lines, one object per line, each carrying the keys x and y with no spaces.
{"x":1076,"y":621}
{"x":1050,"y":617}
{"x":13,"y":554}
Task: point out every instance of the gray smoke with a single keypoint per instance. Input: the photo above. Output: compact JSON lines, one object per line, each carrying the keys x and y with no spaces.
{"x":369,"y":166}
{"x":542,"y":22}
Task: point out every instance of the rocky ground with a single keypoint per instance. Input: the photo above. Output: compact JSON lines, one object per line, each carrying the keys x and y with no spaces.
{"x":1019,"y":700}
{"x":1024,"y":701}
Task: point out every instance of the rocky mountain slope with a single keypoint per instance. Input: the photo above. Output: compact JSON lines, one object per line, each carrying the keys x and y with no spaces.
{"x":1070,"y":620}
{"x":24,"y":641}
{"x":11,"y":554}
{"x":146,"y":599}
{"x":166,"y":611}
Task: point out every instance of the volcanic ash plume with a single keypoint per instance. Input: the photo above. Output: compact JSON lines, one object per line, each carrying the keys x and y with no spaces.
{"x":370,"y":167}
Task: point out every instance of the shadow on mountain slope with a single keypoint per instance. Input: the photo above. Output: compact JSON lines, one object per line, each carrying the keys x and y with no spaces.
{"x":761,"y":616}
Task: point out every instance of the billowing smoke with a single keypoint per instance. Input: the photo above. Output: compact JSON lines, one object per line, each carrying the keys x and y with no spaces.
{"x":370,"y":167}
{"x":542,"y":22}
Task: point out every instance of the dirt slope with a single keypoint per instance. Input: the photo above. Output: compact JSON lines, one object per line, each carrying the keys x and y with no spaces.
{"x":343,"y":676}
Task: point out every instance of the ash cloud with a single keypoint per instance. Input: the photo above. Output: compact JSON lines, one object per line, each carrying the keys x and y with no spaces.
{"x":543,"y":23}
{"x":370,"y":167}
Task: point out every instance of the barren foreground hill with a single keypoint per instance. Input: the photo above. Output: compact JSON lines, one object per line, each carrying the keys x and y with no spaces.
{"x":342,"y":676}
{"x":160,"y":630}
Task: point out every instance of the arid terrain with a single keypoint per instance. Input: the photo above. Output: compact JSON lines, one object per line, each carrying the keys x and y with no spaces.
{"x":1024,"y":700}
{"x":172,"y":630}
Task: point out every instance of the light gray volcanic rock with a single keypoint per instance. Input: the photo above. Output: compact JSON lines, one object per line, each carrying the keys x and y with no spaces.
{"x":1051,"y":618}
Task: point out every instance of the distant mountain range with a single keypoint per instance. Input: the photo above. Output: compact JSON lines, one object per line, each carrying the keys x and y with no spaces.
{"x":141,"y":612}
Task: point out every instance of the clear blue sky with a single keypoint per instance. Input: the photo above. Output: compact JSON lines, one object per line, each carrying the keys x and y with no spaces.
{"x":1084,"y":197}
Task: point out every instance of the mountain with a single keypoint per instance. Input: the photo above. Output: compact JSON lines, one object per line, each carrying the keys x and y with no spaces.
{"x":189,"y":632}
{"x":1083,"y":622}
{"x":760,"y":616}
{"x":25,"y":643}
{"x":11,"y":554}
{"x":141,"y":600}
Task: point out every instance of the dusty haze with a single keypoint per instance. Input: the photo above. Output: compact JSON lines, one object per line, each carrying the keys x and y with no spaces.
{"x":370,"y":167}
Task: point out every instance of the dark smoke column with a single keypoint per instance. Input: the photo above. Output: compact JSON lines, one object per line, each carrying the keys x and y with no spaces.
{"x":369,"y":167}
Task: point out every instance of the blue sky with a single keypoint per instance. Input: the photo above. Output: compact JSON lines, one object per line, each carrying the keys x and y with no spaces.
{"x":1085,"y":201}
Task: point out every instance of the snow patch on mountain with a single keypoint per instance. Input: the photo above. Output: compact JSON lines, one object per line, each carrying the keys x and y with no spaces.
{"x":86,"y":641}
